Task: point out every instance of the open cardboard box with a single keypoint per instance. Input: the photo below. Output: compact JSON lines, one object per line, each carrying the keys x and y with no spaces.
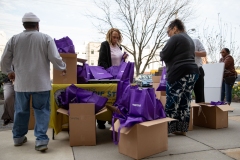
{"x":190,"y":127}
{"x":143,"y":139}
{"x":211,"y":116}
{"x":82,"y":124}
{"x":71,"y":76}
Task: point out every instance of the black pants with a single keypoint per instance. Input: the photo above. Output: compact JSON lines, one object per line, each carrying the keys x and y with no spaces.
{"x":199,"y":87}
{"x":101,"y":122}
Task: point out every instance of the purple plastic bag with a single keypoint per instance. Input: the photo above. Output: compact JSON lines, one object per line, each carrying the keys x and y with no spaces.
{"x":218,"y":103}
{"x":113,"y":70}
{"x":65,"y":45}
{"x":121,"y":70}
{"x":83,"y":74}
{"x":85,"y":96}
{"x":163,"y":81}
{"x":159,"y":110}
{"x":142,"y":103}
{"x":99,"y":72}
{"x":68,"y":96}
{"x":126,"y":71}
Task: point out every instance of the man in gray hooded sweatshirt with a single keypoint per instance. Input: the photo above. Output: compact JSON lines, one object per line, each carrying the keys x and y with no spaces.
{"x":30,"y":52}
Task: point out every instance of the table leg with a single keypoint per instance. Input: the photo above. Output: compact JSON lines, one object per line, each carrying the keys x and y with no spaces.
{"x":53,"y":134}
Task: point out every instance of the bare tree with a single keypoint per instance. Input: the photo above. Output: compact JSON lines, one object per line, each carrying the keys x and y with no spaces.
{"x":217,"y":38}
{"x":143,"y":23}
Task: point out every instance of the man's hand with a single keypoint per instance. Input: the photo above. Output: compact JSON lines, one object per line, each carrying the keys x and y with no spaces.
{"x":11,"y":76}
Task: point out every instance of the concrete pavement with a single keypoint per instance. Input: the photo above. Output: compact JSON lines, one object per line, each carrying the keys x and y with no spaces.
{"x":199,"y":144}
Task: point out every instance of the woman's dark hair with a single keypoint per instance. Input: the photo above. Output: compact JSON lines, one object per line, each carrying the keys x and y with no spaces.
{"x":178,"y":23}
{"x":227,"y":50}
{"x":30,"y":24}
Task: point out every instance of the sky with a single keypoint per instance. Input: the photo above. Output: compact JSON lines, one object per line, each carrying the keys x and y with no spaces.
{"x":60,"y":18}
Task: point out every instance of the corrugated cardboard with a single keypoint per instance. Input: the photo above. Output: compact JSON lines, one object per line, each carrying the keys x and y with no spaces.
{"x":158,"y":93}
{"x":190,"y":127}
{"x":211,"y":116}
{"x":82,"y":124}
{"x":71,"y":75}
{"x":163,"y":100}
{"x":31,"y":122}
{"x":81,"y":60}
{"x":143,"y":139}
{"x":163,"y":93}
{"x":156,"y":79}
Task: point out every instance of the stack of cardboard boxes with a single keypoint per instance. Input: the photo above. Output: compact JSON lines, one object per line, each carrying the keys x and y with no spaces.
{"x":82,"y":119}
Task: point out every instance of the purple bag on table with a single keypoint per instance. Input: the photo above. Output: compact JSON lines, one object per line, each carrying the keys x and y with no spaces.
{"x":83,"y":73}
{"x":163,"y":82}
{"x":65,"y":45}
{"x":142,"y":103}
{"x":113,"y":70}
{"x":85,"y":96}
{"x":126,"y":71}
{"x":99,"y":72}
{"x":67,"y":96}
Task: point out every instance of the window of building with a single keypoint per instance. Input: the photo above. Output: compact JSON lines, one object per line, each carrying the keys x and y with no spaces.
{"x":92,"y":51}
{"x":83,"y":52}
{"x":92,"y":62}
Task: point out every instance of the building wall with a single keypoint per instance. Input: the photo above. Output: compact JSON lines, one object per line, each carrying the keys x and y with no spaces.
{"x":91,"y":53}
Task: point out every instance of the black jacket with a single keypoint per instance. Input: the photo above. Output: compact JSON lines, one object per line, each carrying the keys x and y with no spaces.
{"x":105,"y":59}
{"x":179,"y":57}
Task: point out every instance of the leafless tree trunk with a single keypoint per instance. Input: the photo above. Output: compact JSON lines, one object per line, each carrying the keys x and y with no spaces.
{"x":142,"y":23}
{"x":217,"y":38}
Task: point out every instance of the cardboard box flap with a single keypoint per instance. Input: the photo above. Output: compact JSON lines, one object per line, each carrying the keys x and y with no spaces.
{"x":63,"y":111}
{"x":68,"y":55}
{"x":102,"y":111}
{"x":225,"y":108}
{"x":193,"y":104}
{"x":81,"y":60}
{"x":124,"y":130}
{"x":154,"y":122}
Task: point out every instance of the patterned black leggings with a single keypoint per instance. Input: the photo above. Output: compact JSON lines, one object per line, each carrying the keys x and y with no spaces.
{"x":179,"y":96}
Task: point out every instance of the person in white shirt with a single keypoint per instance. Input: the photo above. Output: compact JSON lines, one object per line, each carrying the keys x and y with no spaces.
{"x":30,"y":52}
{"x":199,"y":85}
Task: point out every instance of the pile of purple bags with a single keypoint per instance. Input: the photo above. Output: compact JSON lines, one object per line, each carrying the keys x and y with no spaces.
{"x":135,"y":105}
{"x":73,"y":94}
{"x":122,"y":72}
{"x":65,"y":45}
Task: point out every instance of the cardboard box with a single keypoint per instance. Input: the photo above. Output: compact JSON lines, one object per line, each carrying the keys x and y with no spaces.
{"x":163,"y":93}
{"x":143,"y":139}
{"x":158,"y":93}
{"x":71,"y":75}
{"x":211,"y":116}
{"x":31,"y":123}
{"x":156,"y":79}
{"x":82,"y":124}
{"x":190,"y":127}
{"x":163,"y":99}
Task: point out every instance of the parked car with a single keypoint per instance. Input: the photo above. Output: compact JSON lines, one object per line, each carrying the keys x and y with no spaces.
{"x":144,"y":80}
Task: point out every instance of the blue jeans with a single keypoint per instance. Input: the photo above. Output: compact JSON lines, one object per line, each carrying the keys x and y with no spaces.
{"x":41,"y":106}
{"x":226,"y":91}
